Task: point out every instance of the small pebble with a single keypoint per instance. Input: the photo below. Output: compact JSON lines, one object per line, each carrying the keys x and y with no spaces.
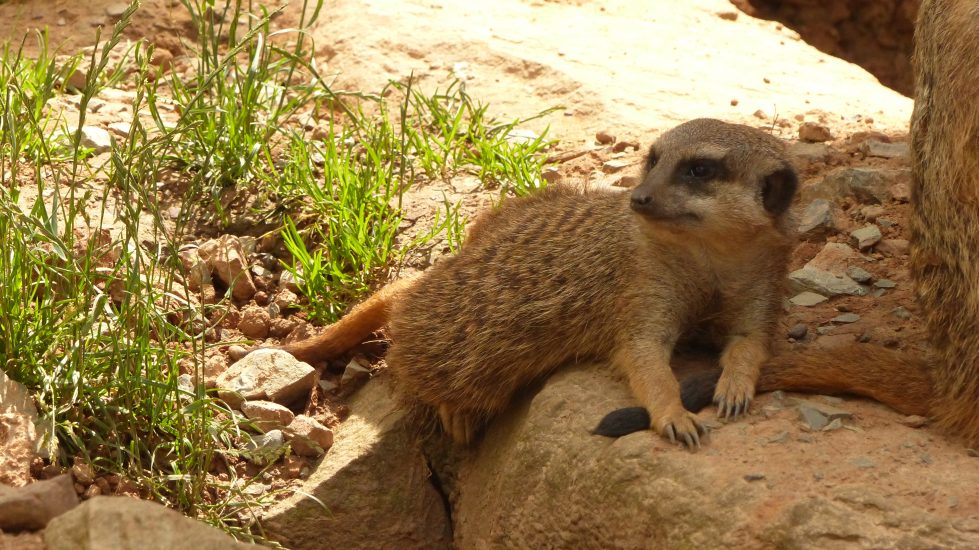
{"x":236,"y":352}
{"x":859,"y":274}
{"x":834,"y":424}
{"x":885,"y":283}
{"x":614,"y":165}
{"x":807,"y":299}
{"x":116,"y":9}
{"x":901,"y":312}
{"x":812,"y":418}
{"x":813,"y":132}
{"x":914,"y":421}
{"x":865,"y":237}
{"x":754,"y":477}
{"x":605,"y":137}
{"x":862,"y":462}
{"x":780,"y":437}
{"x":798,"y":331}
{"x":846,"y":318}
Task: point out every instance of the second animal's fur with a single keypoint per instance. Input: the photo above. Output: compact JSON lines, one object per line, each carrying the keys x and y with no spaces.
{"x":699,"y":247}
{"x":944,"y":247}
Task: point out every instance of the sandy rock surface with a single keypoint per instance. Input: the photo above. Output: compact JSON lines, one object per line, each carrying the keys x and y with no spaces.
{"x":640,"y":67}
{"x":540,"y":479}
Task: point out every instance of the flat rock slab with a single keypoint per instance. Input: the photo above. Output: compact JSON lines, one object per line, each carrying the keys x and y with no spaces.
{"x":125,"y":523}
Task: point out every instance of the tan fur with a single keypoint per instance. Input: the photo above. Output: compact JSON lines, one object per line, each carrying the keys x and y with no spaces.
{"x":567,"y":274}
{"x":945,"y":198}
{"x":364,"y":319}
{"x":897,"y":379}
{"x":944,"y":244}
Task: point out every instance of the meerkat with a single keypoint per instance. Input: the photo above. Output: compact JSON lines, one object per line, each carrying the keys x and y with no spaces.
{"x":944,"y":256}
{"x":699,"y":246}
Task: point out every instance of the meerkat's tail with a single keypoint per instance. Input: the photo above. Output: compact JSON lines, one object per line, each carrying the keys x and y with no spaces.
{"x":899,"y":380}
{"x":353,"y":328}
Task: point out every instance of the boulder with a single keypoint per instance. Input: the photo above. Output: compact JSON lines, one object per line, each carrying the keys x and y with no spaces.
{"x":374,"y":488}
{"x":227,"y":258}
{"x":18,"y":432}
{"x":266,"y":375}
{"x":540,"y":479}
{"x":32,"y":506}
{"x":125,"y":523}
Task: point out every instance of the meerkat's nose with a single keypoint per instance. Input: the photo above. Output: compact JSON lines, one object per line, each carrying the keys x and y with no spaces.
{"x":640,"y":201}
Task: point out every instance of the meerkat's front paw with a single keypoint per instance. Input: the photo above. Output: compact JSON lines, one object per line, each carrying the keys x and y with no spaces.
{"x":680,"y":425}
{"x":459,"y":425}
{"x":733,"y":395}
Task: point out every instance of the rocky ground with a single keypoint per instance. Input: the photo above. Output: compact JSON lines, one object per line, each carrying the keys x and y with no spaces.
{"x":623,"y":73}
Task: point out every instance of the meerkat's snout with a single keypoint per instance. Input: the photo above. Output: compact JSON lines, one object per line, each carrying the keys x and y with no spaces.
{"x":662,"y":205}
{"x":641,"y":201}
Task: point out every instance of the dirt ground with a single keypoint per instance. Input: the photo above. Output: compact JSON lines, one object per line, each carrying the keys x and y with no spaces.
{"x":635,"y":69}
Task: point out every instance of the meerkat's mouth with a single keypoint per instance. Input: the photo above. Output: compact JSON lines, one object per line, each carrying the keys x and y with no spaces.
{"x":656,"y":215}
{"x":653,"y":211}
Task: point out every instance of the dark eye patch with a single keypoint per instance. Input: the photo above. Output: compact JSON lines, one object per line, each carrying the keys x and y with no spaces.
{"x":696,"y":173}
{"x":651,"y":159}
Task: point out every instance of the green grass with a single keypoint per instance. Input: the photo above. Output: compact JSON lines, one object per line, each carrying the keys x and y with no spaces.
{"x":99,"y":323}
{"x":343,"y":239}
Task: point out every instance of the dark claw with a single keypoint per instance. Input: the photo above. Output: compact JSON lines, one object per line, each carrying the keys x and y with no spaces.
{"x":671,"y":432}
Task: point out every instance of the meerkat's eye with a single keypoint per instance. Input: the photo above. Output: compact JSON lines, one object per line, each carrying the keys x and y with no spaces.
{"x":651,"y":161}
{"x":702,"y":170}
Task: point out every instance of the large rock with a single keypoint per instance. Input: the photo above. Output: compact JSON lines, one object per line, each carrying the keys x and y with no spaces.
{"x":819,"y":220}
{"x":19,"y":439}
{"x":539,"y":479}
{"x":267,"y":375}
{"x":14,"y":397}
{"x":228,"y":260}
{"x":867,"y":185}
{"x":823,"y":282}
{"x":31,"y":507}
{"x":826,"y":273}
{"x":124,"y":523}
{"x":374,"y":487}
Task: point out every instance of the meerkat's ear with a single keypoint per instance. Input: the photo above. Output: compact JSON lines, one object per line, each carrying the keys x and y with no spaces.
{"x":778,"y":188}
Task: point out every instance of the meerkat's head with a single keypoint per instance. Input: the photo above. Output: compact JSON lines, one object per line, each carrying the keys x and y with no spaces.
{"x":714,"y":178}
